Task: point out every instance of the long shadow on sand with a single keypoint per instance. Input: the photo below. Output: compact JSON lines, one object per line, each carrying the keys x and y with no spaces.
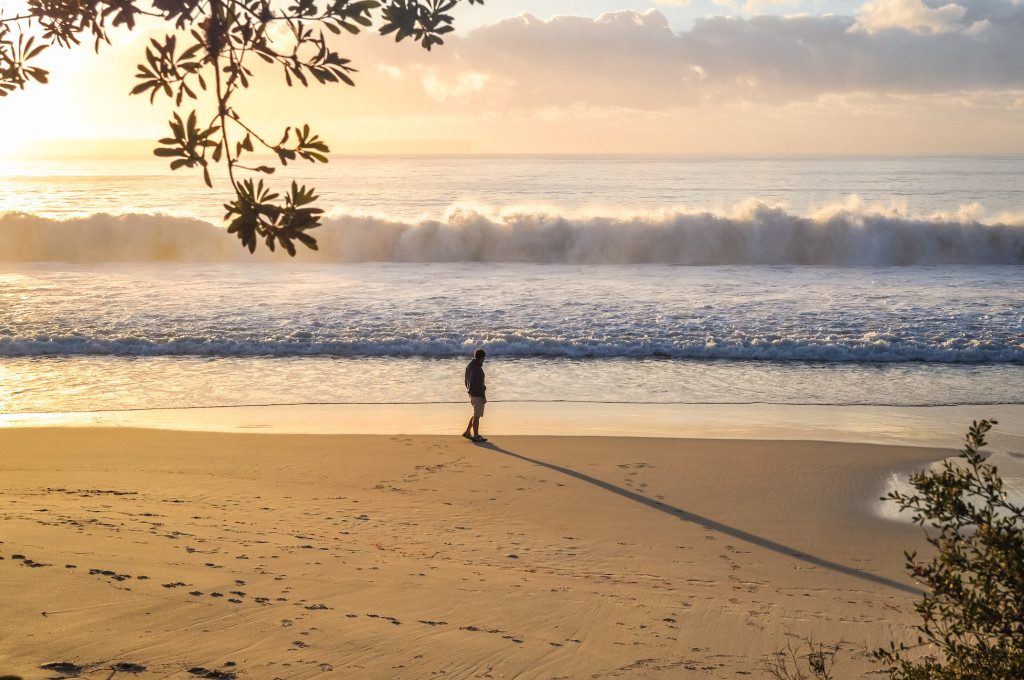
{"x":712,"y":524}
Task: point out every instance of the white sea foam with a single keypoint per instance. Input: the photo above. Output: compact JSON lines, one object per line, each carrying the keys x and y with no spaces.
{"x":753,"y":233}
{"x":1009,"y":466}
{"x":126,"y":237}
{"x":951,"y":314}
{"x":572,"y":343}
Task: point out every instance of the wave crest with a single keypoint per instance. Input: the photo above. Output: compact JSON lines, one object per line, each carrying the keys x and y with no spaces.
{"x":754,"y":233}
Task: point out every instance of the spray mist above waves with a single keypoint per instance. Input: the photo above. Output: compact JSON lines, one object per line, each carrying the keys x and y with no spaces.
{"x":753,"y":234}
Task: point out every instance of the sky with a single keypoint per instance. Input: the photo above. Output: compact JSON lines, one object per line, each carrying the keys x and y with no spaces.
{"x":616,"y":76}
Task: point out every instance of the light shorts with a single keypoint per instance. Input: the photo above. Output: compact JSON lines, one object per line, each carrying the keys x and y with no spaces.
{"x":478,"y":406}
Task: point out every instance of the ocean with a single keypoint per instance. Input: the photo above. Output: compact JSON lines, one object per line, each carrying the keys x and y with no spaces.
{"x":668,"y":280}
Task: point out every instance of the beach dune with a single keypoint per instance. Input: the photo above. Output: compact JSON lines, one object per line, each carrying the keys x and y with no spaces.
{"x":149,"y":553}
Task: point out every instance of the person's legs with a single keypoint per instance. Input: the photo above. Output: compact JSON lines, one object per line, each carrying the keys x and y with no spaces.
{"x":474,"y":422}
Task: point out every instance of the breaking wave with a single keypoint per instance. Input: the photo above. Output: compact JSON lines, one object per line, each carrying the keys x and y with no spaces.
{"x":873,"y":349}
{"x":752,"y":234}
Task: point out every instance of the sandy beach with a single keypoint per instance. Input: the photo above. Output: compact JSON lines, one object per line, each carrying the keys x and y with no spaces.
{"x":170,"y":554}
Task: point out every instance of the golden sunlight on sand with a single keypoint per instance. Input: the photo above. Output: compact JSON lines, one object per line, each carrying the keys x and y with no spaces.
{"x":171,"y":554}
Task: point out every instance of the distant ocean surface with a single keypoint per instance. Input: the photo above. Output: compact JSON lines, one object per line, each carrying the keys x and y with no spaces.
{"x":627,"y":279}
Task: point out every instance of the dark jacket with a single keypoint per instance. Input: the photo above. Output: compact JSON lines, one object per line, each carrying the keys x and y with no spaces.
{"x":475,"y":378}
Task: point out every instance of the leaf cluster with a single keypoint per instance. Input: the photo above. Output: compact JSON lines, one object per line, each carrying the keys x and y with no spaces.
{"x":57,"y":22}
{"x":210,"y":55}
{"x":45,"y":23}
{"x":972,"y":612}
{"x":61,"y":22}
{"x":254,"y":215}
{"x":425,"y":22}
{"x":15,"y":72}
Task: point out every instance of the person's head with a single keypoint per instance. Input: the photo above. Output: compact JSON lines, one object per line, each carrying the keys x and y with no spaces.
{"x":479,"y":354}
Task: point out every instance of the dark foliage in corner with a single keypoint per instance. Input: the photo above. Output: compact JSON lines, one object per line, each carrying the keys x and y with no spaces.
{"x":972,"y":613}
{"x":209,"y":55}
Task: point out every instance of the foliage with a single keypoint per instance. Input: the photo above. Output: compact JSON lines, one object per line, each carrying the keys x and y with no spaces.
{"x":790,"y":664}
{"x":973,"y":610}
{"x":209,"y":55}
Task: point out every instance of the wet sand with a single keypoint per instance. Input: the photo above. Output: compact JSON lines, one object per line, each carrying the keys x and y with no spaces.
{"x":171,"y":554}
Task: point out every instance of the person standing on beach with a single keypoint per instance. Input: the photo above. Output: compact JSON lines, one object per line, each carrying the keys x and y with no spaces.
{"x":477,"y":389}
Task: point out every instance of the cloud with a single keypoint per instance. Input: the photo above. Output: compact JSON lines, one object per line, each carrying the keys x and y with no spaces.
{"x":636,"y":61}
{"x":911,"y":15}
{"x":464,"y":87}
{"x":755,"y":6}
{"x":898,"y":75}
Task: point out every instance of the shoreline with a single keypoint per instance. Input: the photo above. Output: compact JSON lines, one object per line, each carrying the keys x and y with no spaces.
{"x":941,"y":426}
{"x":393,"y":556}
